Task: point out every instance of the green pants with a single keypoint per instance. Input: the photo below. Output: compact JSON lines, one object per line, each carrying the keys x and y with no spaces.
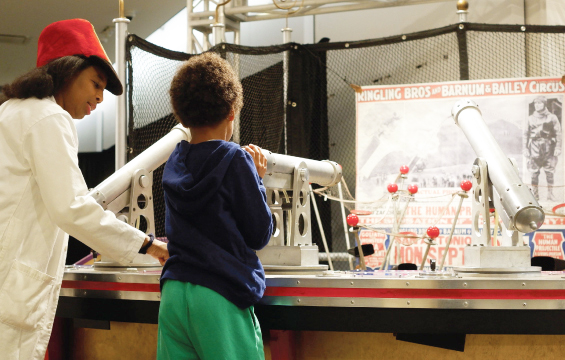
{"x":198,"y":323}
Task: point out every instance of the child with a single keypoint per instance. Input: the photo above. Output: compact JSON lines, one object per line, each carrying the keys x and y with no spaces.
{"x":217,"y":215}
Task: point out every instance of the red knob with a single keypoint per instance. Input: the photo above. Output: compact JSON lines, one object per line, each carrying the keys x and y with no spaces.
{"x":433,"y":232}
{"x":466,"y":185}
{"x":352,"y":220}
{"x":404,"y":169}
{"x":412,"y":189}
{"x":392,"y":188}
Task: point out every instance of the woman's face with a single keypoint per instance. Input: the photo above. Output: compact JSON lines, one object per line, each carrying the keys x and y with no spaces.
{"x":83,"y":93}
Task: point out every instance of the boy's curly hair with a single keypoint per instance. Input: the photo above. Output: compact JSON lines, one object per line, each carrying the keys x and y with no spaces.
{"x":204,"y":90}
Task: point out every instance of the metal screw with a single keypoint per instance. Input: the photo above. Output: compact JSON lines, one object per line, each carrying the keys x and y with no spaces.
{"x":346,"y":45}
{"x":158,"y":296}
{"x":475,"y":171}
{"x":403,"y":37}
{"x":298,"y":283}
{"x":465,"y":304}
{"x":523,"y":28}
{"x":352,"y":283}
{"x":408,"y":303}
{"x":407,"y":283}
{"x":461,"y":26}
{"x":119,"y":278}
{"x":143,"y":181}
{"x":464,"y":284}
{"x":298,"y":300}
{"x":293,"y":104}
{"x":352,"y":302}
{"x":84,"y":293}
{"x":524,"y":304}
{"x":523,"y":284}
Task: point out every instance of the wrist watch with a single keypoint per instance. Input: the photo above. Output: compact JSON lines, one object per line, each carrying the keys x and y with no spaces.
{"x":143,"y":249}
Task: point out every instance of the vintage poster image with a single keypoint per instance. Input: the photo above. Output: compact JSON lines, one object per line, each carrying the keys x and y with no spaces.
{"x":412,"y":125}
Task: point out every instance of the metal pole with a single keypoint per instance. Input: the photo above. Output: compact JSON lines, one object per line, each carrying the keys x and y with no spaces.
{"x":219,"y":27}
{"x":315,"y":206}
{"x":396,"y":227}
{"x":347,"y":245}
{"x":121,"y":123}
{"x":462,"y":197}
{"x":429,"y":242}
{"x":189,"y":41}
{"x":236,"y":66}
{"x":355,"y":230}
{"x":462,"y":7}
{"x":286,"y":39}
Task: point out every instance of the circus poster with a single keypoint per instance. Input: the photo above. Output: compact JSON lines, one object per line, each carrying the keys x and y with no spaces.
{"x":412,"y":126}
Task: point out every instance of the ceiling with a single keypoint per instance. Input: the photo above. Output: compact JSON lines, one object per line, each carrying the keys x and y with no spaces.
{"x":21,"y":21}
{"x":28,"y":17}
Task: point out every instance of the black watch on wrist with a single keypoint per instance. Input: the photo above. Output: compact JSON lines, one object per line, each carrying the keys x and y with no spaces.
{"x":143,"y":249}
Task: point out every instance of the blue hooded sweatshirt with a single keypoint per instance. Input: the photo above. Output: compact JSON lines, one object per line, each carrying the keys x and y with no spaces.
{"x":216,"y":216}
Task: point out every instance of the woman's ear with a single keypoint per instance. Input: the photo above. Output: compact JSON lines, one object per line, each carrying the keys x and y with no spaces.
{"x":231,"y":116}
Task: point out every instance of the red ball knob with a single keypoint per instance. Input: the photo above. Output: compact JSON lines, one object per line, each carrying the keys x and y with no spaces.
{"x":433,"y":232}
{"x":392,"y":188}
{"x":404,"y":169}
{"x":466,"y":185}
{"x":412,"y":189}
{"x":352,"y":220}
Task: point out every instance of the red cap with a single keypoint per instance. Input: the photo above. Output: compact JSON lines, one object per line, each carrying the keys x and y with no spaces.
{"x":76,"y":37}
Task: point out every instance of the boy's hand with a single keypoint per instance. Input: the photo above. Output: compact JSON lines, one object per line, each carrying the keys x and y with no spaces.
{"x":159,"y":251}
{"x":258,"y":158}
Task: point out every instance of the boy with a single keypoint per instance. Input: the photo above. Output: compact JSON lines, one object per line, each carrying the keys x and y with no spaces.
{"x":217,"y":215}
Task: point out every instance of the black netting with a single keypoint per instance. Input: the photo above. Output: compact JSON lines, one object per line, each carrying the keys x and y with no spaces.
{"x":320,"y":107}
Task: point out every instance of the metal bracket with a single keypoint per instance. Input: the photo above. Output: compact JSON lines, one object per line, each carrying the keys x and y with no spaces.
{"x":300,"y":233}
{"x":141,"y":214}
{"x":482,"y":190}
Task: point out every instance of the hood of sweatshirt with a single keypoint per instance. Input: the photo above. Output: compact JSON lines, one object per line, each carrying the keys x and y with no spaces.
{"x":191,"y":183}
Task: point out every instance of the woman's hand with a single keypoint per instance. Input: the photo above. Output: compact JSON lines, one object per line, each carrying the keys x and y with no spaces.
{"x":259,"y":158}
{"x":159,"y":251}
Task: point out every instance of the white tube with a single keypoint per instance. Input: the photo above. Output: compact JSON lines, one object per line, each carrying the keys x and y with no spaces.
{"x":325,"y":172}
{"x":518,"y":201}
{"x":121,"y":124}
{"x":150,"y":159}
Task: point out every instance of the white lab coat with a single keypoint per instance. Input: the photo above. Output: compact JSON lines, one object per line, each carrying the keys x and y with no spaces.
{"x":42,"y":199}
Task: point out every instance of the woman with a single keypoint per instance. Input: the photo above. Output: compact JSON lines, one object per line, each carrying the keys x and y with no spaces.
{"x":43,"y":195}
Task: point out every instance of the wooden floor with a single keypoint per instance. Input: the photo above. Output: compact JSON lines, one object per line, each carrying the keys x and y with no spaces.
{"x":127,"y":341}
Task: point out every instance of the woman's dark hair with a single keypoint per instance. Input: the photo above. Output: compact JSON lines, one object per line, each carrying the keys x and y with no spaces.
{"x":204,"y":91}
{"x":47,"y":80}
